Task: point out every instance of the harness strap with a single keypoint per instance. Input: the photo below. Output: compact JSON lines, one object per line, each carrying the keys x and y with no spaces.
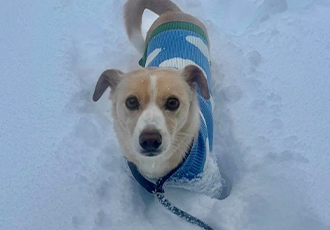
{"x":158,"y":187}
{"x":147,"y":185}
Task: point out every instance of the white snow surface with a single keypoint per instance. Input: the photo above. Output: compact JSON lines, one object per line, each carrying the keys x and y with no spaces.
{"x":60,"y":163}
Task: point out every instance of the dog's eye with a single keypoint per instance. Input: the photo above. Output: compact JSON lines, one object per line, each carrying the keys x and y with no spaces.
{"x":172,"y":104}
{"x":132,"y":103}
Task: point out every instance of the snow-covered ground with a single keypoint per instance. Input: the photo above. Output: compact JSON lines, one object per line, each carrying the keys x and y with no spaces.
{"x":60,"y":163}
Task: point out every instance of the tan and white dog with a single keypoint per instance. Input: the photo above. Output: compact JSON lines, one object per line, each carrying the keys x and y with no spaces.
{"x":156,"y":110}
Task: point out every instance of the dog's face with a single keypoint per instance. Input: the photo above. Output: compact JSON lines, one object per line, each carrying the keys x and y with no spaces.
{"x":151,"y":107}
{"x":155,"y":113}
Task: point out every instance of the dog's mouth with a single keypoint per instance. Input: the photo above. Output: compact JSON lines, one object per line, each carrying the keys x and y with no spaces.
{"x":150,"y":153}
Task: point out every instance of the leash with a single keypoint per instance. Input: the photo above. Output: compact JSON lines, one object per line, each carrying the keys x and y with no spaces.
{"x":182,"y":214}
{"x":157,"y":189}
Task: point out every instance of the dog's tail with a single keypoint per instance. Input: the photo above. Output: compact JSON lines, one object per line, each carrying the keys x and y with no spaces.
{"x":133,"y":11}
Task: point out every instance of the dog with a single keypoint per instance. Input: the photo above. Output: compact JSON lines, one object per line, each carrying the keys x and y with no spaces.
{"x":163,"y":113}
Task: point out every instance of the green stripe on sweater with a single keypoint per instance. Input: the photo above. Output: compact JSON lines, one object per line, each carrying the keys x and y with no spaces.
{"x":176,"y":25}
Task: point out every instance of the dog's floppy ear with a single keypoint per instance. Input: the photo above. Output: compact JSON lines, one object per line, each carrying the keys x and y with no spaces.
{"x":110,"y":77}
{"x":192,"y":74}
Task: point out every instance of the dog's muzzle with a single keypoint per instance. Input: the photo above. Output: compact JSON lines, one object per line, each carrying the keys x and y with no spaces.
{"x":150,"y":140}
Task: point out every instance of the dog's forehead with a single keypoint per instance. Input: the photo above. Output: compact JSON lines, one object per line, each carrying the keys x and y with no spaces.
{"x":155,"y":82}
{"x":170,"y":84}
{"x":136,"y":83}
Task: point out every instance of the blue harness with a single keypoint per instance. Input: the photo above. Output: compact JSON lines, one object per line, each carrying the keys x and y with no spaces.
{"x":176,"y":45}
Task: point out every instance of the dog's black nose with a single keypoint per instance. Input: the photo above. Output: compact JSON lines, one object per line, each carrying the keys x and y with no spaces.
{"x":150,"y":140}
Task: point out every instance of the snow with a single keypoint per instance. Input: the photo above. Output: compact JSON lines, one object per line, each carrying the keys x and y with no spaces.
{"x":61,"y":166}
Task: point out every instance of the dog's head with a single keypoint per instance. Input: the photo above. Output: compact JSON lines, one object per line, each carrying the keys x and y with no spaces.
{"x":156,"y":114}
